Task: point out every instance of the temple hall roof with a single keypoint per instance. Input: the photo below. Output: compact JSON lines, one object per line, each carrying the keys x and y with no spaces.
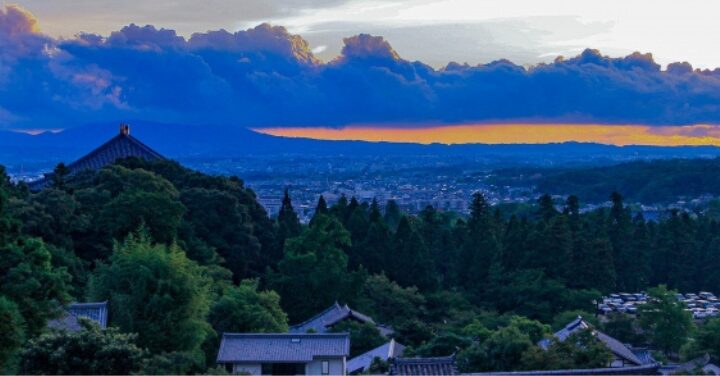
{"x":612,"y":344}
{"x":121,"y":146}
{"x":323,"y":321}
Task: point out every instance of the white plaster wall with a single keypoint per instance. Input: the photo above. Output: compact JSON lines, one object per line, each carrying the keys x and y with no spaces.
{"x":337,"y":366}
{"x":251,"y":369}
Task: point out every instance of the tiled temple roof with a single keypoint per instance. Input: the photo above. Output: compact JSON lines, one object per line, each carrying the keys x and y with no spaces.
{"x":323,"y":321}
{"x":612,"y":344}
{"x":121,"y":146}
{"x":383,"y":352}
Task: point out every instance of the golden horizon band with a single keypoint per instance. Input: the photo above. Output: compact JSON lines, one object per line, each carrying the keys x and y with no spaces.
{"x":520,"y":133}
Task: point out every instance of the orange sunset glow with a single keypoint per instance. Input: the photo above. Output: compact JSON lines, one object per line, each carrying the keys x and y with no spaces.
{"x":694,"y":135}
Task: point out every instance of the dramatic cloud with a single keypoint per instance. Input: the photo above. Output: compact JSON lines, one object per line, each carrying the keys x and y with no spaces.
{"x":265,"y":76}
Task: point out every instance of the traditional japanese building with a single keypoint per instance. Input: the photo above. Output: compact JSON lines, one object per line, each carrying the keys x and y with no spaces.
{"x":325,"y":320}
{"x":284,"y":353}
{"x":97,"y":312}
{"x":121,"y":146}
{"x":385,"y":352}
{"x":439,"y":366}
{"x":624,"y":355}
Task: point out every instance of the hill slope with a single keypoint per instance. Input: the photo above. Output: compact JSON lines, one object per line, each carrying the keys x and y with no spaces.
{"x":657,"y":181}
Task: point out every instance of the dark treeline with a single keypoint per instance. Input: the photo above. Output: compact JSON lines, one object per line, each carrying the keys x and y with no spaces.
{"x":182,"y":257}
{"x":654,"y":181}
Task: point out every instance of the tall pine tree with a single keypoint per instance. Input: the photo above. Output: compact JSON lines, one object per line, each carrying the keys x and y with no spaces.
{"x":288,"y":222}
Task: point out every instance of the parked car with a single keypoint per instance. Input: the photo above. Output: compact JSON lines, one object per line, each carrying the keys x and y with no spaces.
{"x":707,"y":295}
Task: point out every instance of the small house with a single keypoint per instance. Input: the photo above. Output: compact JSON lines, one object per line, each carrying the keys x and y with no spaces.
{"x":284,"y":353}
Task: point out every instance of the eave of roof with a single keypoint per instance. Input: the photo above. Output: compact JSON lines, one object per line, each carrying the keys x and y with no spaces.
{"x":340,"y":348}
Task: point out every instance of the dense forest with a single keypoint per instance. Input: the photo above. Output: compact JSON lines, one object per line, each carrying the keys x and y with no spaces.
{"x":656,"y":181}
{"x":182,"y":257}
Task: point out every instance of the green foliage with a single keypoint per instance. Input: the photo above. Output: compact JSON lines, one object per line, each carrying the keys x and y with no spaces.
{"x":218,"y":219}
{"x":315,"y":265}
{"x":706,"y":340}
{"x":448,"y":311}
{"x":535,"y":330}
{"x":244,"y":309}
{"x":392,"y":214}
{"x":665,"y":320}
{"x":530,"y":293}
{"x":28,"y":278}
{"x":623,"y":327}
{"x":657,"y":181}
{"x":505,"y":348}
{"x":90,"y":351}
{"x":411,"y":264}
{"x":139,"y":197}
{"x":363,"y":336}
{"x":445,"y":284}
{"x":443,"y":345}
{"x":173,"y":363}
{"x":155,"y":291}
{"x":479,"y":250}
{"x":389,"y":303}
{"x":477,"y":331}
{"x":8,"y":225}
{"x":580,"y":350}
{"x":12,"y":327}
{"x":288,"y":222}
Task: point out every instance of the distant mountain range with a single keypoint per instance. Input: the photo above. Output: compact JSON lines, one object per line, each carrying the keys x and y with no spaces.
{"x":186,"y":142}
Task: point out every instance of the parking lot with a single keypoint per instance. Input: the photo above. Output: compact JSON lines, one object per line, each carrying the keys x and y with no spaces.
{"x":702,"y":305}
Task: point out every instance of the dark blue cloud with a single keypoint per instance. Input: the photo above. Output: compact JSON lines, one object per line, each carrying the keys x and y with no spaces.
{"x":266,"y":76}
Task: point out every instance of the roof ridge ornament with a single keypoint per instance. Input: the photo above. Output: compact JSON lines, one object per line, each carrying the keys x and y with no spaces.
{"x":124,"y":129}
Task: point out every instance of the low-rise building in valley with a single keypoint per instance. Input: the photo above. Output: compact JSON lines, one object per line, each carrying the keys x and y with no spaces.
{"x":284,"y":353}
{"x":324,"y":321}
{"x":385,"y":352}
{"x":97,"y":312}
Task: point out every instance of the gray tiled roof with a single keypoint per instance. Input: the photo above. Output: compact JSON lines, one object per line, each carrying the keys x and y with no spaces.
{"x":97,"y":312}
{"x":323,"y":321}
{"x":702,"y":362}
{"x":281,"y":347}
{"x":577,"y":325}
{"x":121,"y":146}
{"x":424,"y":366}
{"x":644,"y":354}
{"x":384,"y":352}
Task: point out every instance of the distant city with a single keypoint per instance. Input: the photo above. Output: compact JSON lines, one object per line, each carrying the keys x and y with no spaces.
{"x":441,"y":179}
{"x":414,"y":183}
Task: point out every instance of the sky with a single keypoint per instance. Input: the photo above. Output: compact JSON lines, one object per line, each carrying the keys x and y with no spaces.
{"x":432,"y":31}
{"x":414,"y":70}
